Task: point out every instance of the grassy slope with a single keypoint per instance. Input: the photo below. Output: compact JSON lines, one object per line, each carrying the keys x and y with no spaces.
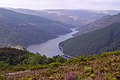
{"x":103,"y":40}
{"x":101,"y":67}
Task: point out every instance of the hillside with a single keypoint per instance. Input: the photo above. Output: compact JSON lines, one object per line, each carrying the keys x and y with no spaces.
{"x":22,"y":29}
{"x":14,"y":57}
{"x":99,"y":23}
{"x":105,"y":66}
{"x":72,"y":17}
{"x":102,"y":40}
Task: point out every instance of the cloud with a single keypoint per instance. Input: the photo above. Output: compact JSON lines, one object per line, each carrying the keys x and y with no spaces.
{"x":64,"y":4}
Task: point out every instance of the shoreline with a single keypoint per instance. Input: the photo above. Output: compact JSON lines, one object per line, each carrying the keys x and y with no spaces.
{"x":65,"y":55}
{"x":51,"y":47}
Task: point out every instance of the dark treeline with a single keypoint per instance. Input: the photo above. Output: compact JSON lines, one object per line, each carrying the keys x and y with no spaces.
{"x":13,"y":57}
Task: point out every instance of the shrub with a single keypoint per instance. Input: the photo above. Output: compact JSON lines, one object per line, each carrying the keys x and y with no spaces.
{"x":76,"y":60}
{"x":3,"y":77}
{"x":3,"y":65}
{"x":104,"y":69}
{"x":19,"y":68}
{"x":92,"y":75}
{"x":26,"y":79}
{"x":88,"y":69}
{"x":38,"y":67}
{"x":55,"y":64}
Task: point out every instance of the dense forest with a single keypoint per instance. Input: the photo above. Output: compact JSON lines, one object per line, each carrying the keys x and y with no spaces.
{"x":14,"y":57}
{"x":23,"y":65}
{"x":102,"y":40}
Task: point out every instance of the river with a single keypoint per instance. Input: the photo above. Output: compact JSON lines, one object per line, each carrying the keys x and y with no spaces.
{"x":51,"y":47}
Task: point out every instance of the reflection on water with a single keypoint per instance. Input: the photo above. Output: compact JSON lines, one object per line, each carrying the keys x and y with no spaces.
{"x":51,"y":48}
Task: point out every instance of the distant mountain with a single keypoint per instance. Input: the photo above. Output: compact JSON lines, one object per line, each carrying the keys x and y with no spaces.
{"x":86,"y":20}
{"x":102,"y":40}
{"x":100,"y":23}
{"x":85,"y":16}
{"x":108,"y":12}
{"x":75,"y":17}
{"x":23,"y":29}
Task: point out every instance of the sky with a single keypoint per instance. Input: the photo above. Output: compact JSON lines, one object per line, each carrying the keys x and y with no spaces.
{"x":62,"y":4}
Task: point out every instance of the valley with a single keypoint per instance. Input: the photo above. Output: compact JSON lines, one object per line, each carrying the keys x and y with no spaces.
{"x":50,"y":48}
{"x":59,"y":44}
{"x":18,"y":29}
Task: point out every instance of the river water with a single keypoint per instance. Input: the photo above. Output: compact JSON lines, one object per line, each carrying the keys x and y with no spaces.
{"x":51,"y":47}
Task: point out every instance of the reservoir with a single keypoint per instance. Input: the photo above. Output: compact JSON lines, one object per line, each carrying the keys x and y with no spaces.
{"x":50,"y":48}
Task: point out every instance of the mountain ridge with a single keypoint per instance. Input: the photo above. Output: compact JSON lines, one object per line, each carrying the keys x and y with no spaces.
{"x":99,"y":23}
{"x":24,"y":30}
{"x":75,"y":17}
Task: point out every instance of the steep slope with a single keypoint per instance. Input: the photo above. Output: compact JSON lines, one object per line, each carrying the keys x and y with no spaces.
{"x":100,"y":23}
{"x":105,"y":66}
{"x":23,"y":29}
{"x":37,"y":21}
{"x":105,"y":39}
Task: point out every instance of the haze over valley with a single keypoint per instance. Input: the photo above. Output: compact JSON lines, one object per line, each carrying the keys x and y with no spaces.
{"x":59,"y":40}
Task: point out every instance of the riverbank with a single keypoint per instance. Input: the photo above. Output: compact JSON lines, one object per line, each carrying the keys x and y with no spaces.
{"x":51,"y":48}
{"x":65,"y":55}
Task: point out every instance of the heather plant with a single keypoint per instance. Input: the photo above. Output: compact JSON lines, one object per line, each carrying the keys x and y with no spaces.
{"x":71,"y":76}
{"x":82,"y":68}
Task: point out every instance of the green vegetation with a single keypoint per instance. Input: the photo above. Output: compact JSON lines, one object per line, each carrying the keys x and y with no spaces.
{"x":19,"y":60}
{"x":23,"y":65}
{"x":3,"y":78}
{"x":99,"y":41}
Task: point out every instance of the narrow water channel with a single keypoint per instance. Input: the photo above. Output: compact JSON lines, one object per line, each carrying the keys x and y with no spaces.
{"x":51,"y":47}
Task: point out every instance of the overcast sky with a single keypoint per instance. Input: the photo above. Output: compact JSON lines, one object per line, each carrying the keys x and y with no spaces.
{"x":62,"y":4}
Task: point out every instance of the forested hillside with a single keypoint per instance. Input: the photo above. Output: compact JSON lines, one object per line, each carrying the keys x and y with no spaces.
{"x":24,"y":30}
{"x":13,"y":57}
{"x":99,"y":23}
{"x":102,"y":40}
{"x":23,"y":65}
